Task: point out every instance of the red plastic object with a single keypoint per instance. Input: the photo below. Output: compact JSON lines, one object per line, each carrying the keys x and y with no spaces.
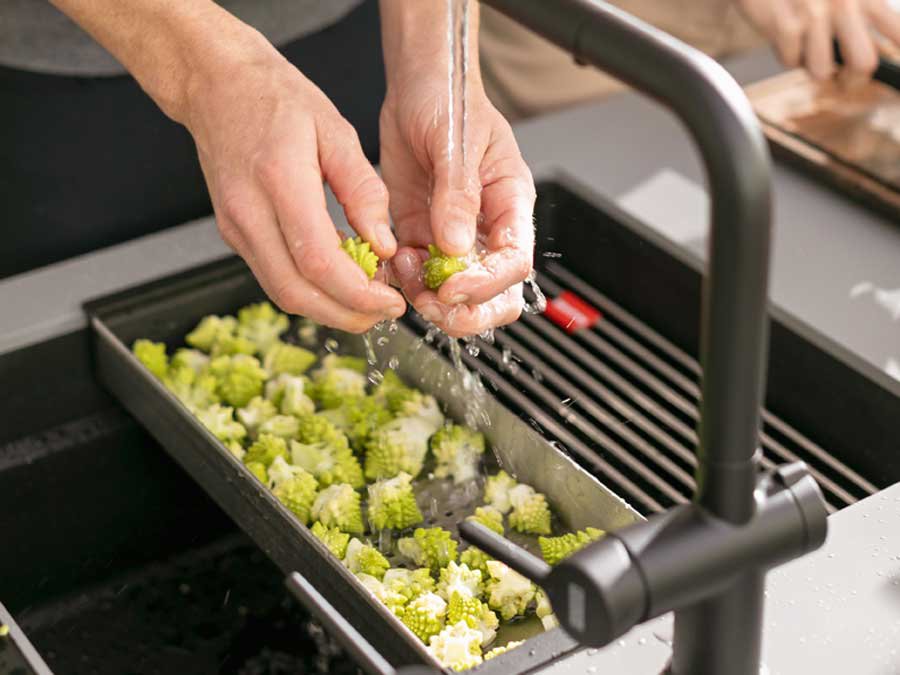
{"x":571,"y":313}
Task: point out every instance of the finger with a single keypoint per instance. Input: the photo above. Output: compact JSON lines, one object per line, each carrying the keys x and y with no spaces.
{"x":261,"y":244}
{"x":819,"y":52}
{"x":295,"y":186}
{"x":455,"y":201}
{"x":360,"y":191}
{"x":885,"y":20}
{"x":464,"y":320}
{"x":406,"y":270}
{"x":788,"y":36}
{"x":856,"y":43}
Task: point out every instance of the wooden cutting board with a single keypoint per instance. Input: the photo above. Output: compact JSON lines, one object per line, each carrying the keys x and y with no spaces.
{"x":850,"y":140}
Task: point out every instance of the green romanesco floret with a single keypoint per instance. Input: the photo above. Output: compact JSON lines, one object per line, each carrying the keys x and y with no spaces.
{"x":232,"y":345}
{"x":497,"y":651}
{"x":210,"y":330}
{"x":390,"y":385}
{"x":261,"y":324}
{"x":476,"y":559}
{"x":315,"y":429}
{"x":555,"y":549}
{"x":361,"y":253}
{"x":257,"y":411}
{"x":425,"y":615}
{"x":190,"y":358}
{"x":439,"y":267}
{"x":457,"y":647}
{"x":283,"y":426}
{"x":392,"y":504}
{"x":496,"y":490}
{"x":544,"y":611}
{"x":332,"y":537}
{"x":197,"y":391}
{"x":281,"y":470}
{"x":392,"y":600}
{"x":294,"y":400}
{"x":339,"y":506}
{"x":459,"y":579}
{"x":365,"y":559}
{"x":508,"y":592}
{"x":420,"y":406}
{"x":265,"y":449}
{"x":490,"y":517}
{"x":296,"y":492}
{"x":409,"y":583}
{"x":308,"y":332}
{"x":283,"y":358}
{"x":457,"y":451}
{"x":153,"y":356}
{"x":236,"y":449}
{"x":338,"y":379}
{"x":258,"y":469}
{"x":475,"y":613}
{"x":530,"y":512}
{"x":329,"y":464}
{"x":239,"y":377}
{"x":399,"y":445}
{"x":358,"y":418}
{"x":431,"y":547}
{"x":220,"y":421}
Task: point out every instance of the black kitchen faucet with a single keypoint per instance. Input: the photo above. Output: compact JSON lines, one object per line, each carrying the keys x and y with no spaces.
{"x":706,"y":560}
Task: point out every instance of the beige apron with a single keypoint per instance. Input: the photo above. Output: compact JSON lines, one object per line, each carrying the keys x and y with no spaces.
{"x":524,"y":75}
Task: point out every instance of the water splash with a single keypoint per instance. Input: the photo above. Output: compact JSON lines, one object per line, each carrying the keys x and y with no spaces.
{"x":540,"y":300}
{"x":457,"y":69}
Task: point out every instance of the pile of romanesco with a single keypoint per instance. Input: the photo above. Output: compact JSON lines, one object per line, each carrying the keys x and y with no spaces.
{"x":344,"y":457}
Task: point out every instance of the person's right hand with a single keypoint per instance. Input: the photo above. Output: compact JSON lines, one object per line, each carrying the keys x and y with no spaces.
{"x":267,"y":138}
{"x":803,"y":31}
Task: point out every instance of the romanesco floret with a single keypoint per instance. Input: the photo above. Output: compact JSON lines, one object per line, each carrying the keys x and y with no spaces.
{"x":476,"y":559}
{"x":332,"y":537}
{"x":358,"y":417}
{"x":294,"y":400}
{"x":457,"y":451}
{"x":261,"y":324}
{"x":190,"y":358}
{"x":257,"y":411}
{"x":329,"y":464}
{"x":425,"y":615}
{"x":490,"y":517}
{"x":399,"y":445}
{"x":210,"y":330}
{"x":297,"y":493}
{"x":475,"y":613}
{"x":365,"y":559}
{"x":236,"y":449}
{"x":258,"y":469}
{"x":316,"y":429}
{"x":392,"y":600}
{"x":361,"y":253}
{"x":420,"y":406}
{"x":431,"y":547}
{"x":392,"y":504}
{"x":338,"y":506}
{"x":240,"y":378}
{"x":339,"y":378}
{"x":497,"y":651}
{"x":390,"y":385}
{"x":439,"y":267}
{"x":457,"y":647}
{"x":283,"y":426}
{"x":530,"y":512}
{"x":153,"y":356}
{"x":220,"y":421}
{"x":265,"y":449}
{"x":282,"y":358}
{"x":555,"y":549}
{"x":280,"y":470}
{"x":544,"y":611}
{"x":409,"y":583}
{"x":459,"y":579}
{"x":496,"y":490}
{"x":232,"y":345}
{"x":197,"y":391}
{"x":508,"y":592}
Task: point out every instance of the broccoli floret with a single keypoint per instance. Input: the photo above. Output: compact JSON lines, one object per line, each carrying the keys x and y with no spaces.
{"x":555,"y":549}
{"x":475,"y":613}
{"x":283,"y":426}
{"x":239,"y":377}
{"x":508,"y":592}
{"x":210,"y":330}
{"x":265,"y":449}
{"x":153,"y":356}
{"x":544,"y":611}
{"x":362,"y":255}
{"x":294,"y":400}
{"x":459,"y":579}
{"x":261,"y":324}
{"x":258,"y":469}
{"x":196,"y":391}
{"x":358,"y":418}
{"x":496,"y":491}
{"x":476,"y":559}
{"x":490,"y":517}
{"x":413,"y":403}
{"x":439,"y":267}
{"x":457,"y":646}
{"x":220,"y":421}
{"x":392,"y":503}
{"x":409,"y":583}
{"x":257,"y":411}
{"x":392,"y":600}
{"x":497,"y":651}
{"x":530,"y":512}
{"x":425,"y":615}
{"x":190,"y":358}
{"x":296,"y":492}
{"x":332,"y":537}
{"x":328,"y":464}
{"x":338,"y":379}
{"x":457,"y":451}
{"x":431,"y":547}
{"x":338,"y":506}
{"x":365,"y":559}
{"x":282,"y":358}
{"x":400,"y":445}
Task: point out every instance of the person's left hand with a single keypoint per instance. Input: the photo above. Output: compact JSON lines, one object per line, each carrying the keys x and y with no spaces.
{"x":486,"y":204}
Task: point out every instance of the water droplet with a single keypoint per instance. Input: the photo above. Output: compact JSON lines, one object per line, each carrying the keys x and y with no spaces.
{"x":331,"y":345}
{"x":552,"y":254}
{"x":620,"y":643}
{"x":382,"y":341}
{"x":393,"y":327}
{"x":393,"y":362}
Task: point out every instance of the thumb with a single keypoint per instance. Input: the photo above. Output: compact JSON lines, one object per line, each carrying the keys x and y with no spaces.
{"x":455,"y":202}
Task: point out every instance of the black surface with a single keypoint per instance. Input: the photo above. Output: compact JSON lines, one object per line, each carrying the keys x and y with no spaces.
{"x":90,"y":162}
{"x":17,"y":655}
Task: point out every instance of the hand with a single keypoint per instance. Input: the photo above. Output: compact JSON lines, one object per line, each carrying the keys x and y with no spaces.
{"x":490,"y":199}
{"x":267,"y":138}
{"x":803,"y":31}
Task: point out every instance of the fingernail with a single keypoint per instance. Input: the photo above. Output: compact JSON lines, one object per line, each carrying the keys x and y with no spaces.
{"x":458,"y":239}
{"x":404,"y":266}
{"x":385,"y":235}
{"x":459,"y":299}
{"x":396,"y":310}
{"x":430,"y":313}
